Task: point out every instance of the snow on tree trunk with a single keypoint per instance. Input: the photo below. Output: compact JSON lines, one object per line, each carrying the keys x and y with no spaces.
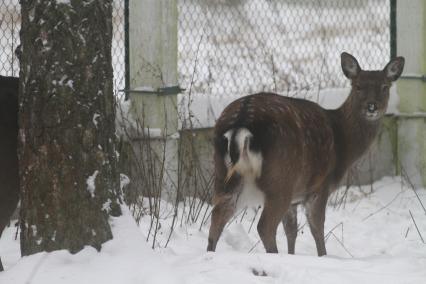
{"x":68,"y":172}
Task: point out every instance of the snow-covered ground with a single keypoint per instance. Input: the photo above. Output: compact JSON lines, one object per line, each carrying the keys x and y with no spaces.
{"x":372,"y":239}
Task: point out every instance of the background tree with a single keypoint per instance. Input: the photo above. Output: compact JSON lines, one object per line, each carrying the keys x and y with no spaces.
{"x":68,"y":174}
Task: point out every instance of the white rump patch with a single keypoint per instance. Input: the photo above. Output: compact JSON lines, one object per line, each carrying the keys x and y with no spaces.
{"x":228,"y":136}
{"x":251,"y":196}
{"x":249,"y":163}
{"x":249,"y":166}
{"x":227,"y":157}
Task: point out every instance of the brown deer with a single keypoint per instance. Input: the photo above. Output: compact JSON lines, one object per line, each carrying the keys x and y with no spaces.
{"x":286,"y":151}
{"x":9,"y":178}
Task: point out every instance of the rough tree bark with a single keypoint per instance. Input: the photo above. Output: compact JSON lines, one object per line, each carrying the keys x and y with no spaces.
{"x":68,"y":174}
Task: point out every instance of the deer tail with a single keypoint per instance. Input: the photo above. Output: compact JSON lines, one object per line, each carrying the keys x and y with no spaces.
{"x":241,"y":157}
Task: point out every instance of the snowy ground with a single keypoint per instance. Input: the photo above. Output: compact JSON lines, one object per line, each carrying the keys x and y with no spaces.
{"x":372,"y":240}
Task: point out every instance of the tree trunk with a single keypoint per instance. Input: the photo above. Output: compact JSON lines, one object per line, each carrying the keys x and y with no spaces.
{"x":67,"y":158}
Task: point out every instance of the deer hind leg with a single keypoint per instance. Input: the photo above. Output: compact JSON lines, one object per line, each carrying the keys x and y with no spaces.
{"x":315,"y":213}
{"x":222,"y":212}
{"x":272,"y":214}
{"x":290,"y":228}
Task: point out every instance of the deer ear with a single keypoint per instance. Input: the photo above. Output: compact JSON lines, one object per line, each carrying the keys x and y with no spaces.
{"x":350,"y":65}
{"x":394,"y":68}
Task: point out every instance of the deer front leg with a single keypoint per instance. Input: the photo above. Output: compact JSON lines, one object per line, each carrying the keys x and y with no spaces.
{"x":222,"y":212}
{"x":315,"y":213}
{"x":290,"y":228}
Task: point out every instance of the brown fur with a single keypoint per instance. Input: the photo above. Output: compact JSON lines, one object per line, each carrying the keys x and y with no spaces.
{"x":306,"y":151}
{"x":9,"y":179}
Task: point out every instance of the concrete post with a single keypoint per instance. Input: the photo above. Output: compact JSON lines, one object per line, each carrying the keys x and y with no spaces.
{"x":153,"y":65}
{"x":411,"y":88}
{"x":153,"y":60}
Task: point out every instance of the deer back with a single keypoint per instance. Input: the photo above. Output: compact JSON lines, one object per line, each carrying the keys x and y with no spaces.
{"x":294,"y":137}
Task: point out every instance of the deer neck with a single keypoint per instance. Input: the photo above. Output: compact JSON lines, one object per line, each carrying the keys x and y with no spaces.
{"x":357,"y":132}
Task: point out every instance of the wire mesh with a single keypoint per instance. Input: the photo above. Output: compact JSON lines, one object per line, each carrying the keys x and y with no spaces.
{"x":10,"y":24}
{"x":236,"y":47}
{"x":118,"y":46}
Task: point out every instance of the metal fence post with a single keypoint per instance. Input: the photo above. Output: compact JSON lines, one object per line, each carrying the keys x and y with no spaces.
{"x":126,"y":46}
{"x":393,"y":28}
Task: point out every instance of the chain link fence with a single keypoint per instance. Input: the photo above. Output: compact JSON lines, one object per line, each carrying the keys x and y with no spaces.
{"x":118,"y":44}
{"x":236,"y":47}
{"x":10,"y":24}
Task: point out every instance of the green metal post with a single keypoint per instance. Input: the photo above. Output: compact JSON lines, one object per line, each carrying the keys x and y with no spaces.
{"x":393,"y":50}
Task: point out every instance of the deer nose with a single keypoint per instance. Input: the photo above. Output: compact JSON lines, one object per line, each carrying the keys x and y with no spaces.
{"x":372,"y":107}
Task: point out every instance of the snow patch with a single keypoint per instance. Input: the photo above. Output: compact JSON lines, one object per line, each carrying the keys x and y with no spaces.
{"x":107,"y":206}
{"x":70,"y":84}
{"x":124,"y":181}
{"x":153,"y":132}
{"x":34,"y":230}
{"x":145,"y":89}
{"x":91,"y":187}
{"x":94,"y":119}
{"x":64,"y":2}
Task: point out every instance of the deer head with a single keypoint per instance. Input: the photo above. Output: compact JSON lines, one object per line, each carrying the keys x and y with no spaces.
{"x":370,"y":89}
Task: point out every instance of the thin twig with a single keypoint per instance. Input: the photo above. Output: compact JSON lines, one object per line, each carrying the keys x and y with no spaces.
{"x":235,"y":217}
{"x":406,"y":233}
{"x":254,"y":218}
{"x":343,"y":246}
{"x":405,"y":174}
{"x":384,"y":207}
{"x":331,"y":231}
{"x":253,"y":247}
{"x":17,"y":230}
{"x":417,"y":228}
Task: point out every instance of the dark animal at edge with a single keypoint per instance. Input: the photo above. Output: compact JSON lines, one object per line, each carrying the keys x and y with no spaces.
{"x":9,"y":177}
